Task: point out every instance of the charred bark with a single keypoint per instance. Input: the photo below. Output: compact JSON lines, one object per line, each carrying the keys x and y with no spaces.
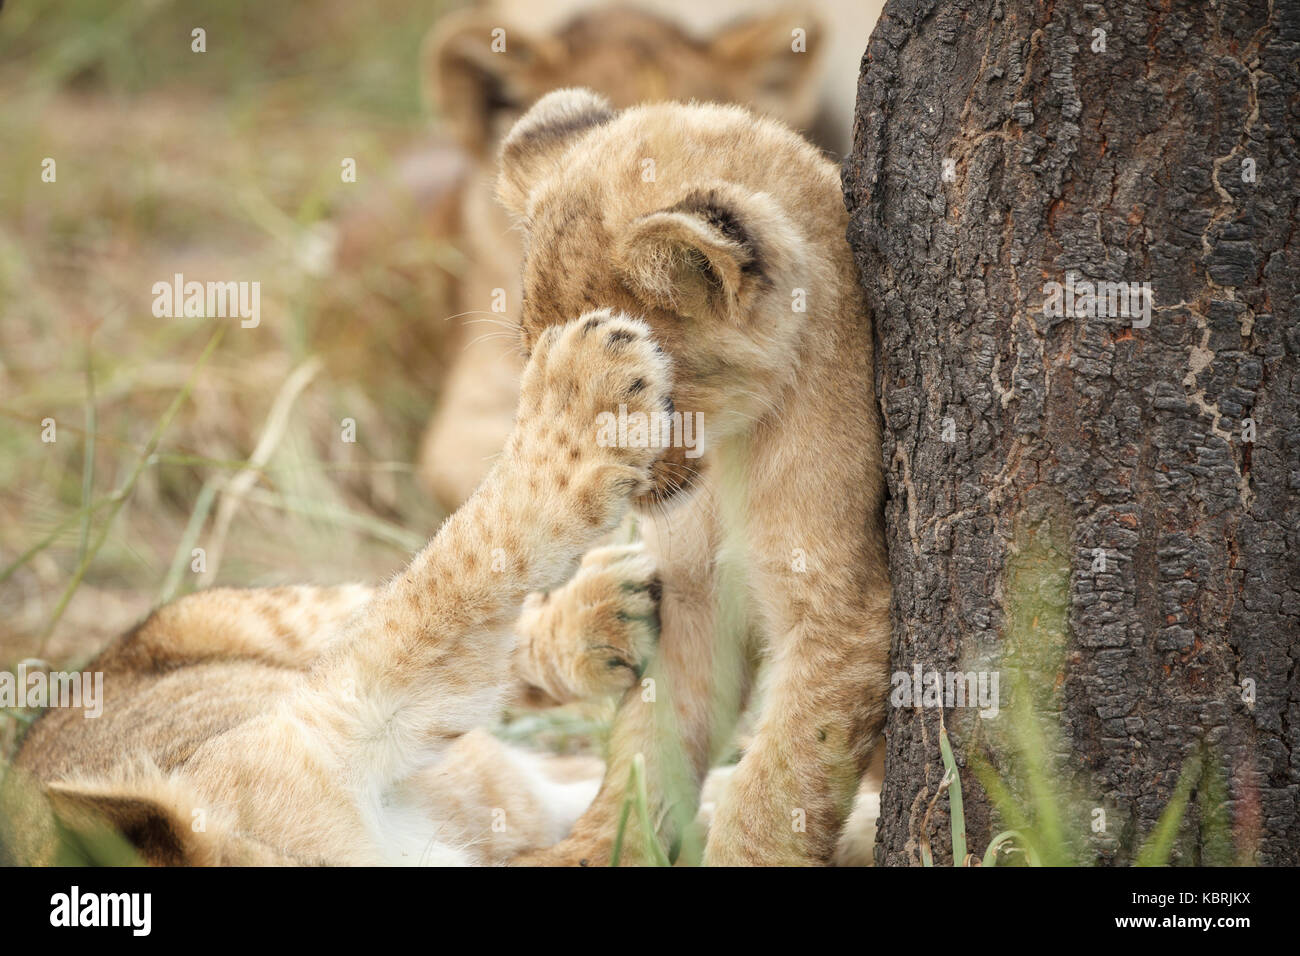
{"x":1106,"y":507}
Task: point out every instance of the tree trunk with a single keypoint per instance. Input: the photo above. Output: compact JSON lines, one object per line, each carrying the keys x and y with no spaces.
{"x":1098,"y":511}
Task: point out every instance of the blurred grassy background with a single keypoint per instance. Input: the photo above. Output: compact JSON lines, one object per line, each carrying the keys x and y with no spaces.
{"x":224,"y":166}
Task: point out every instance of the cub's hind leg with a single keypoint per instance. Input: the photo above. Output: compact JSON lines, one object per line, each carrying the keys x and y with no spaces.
{"x":497,"y":800}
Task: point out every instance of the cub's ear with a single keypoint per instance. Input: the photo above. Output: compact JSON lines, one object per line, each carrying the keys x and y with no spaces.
{"x":95,"y":819}
{"x":480,"y":75}
{"x":700,"y":255}
{"x":536,"y":143}
{"x":777,"y":58}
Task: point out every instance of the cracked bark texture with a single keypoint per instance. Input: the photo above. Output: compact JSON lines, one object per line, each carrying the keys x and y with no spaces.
{"x":1072,"y":434}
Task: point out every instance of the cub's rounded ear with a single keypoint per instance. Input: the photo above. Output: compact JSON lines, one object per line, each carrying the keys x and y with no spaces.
{"x":536,"y":143}
{"x":777,"y":58}
{"x":481,"y":74}
{"x":696,"y":256}
{"x":93,"y":817}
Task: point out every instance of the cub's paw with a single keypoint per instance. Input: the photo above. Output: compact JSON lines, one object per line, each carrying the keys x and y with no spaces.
{"x":594,"y":635}
{"x":583,"y":380}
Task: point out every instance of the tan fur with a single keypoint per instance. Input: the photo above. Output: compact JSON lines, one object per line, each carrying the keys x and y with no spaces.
{"x":740,"y":214}
{"x":631,"y":57}
{"x":341,"y":726}
{"x":594,"y":636}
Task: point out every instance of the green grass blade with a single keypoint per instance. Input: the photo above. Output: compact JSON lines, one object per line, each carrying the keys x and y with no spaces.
{"x":1006,"y":836}
{"x":956,"y":813}
{"x":1159,"y":843}
{"x":654,"y":851}
{"x":1047,"y":801}
{"x":184,"y":550}
{"x":623,"y":815}
{"x":120,"y":497}
{"x":88,"y":466}
{"x":54,"y":536}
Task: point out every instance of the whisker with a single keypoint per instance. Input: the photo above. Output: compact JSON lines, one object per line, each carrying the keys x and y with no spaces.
{"x":448,"y":318}
{"x":489,"y":336}
{"x":764,"y":400}
{"x":495,"y":320}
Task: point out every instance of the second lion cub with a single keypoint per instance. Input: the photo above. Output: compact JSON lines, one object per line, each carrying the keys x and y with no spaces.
{"x":340,"y":726}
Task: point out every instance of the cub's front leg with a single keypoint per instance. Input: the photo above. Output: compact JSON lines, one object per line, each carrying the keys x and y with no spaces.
{"x":427,"y":659}
{"x":788,"y":798}
{"x":438,"y":636}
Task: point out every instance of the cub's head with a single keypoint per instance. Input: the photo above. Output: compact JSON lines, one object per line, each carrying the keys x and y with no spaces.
{"x":722,"y":230}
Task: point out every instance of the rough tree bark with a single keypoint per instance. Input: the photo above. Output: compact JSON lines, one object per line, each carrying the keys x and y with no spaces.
{"x":1082,"y":496}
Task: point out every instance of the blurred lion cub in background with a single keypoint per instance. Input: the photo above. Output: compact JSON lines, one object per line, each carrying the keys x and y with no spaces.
{"x":631,"y":58}
{"x":438,"y":241}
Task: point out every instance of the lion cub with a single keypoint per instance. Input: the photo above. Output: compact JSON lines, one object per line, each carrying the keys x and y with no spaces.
{"x":770,"y":543}
{"x":439,"y":239}
{"x":338,"y":726}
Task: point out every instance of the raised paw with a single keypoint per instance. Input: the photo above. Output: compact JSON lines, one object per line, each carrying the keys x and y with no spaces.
{"x":594,"y":635}
{"x":592,"y":396}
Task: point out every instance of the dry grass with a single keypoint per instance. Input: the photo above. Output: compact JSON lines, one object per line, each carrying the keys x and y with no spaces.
{"x":223,"y":166}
